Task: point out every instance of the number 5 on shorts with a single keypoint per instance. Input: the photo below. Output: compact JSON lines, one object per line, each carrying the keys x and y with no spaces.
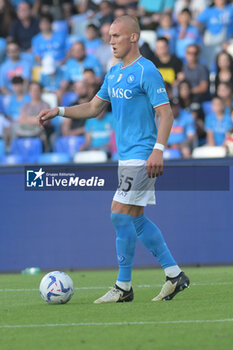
{"x":128,"y":181}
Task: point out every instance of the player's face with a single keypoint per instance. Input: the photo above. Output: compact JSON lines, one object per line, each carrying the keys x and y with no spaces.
{"x":120,"y":40}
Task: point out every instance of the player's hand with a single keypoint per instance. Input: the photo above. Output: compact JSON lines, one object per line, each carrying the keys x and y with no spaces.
{"x":154,"y":164}
{"x":46,"y":115}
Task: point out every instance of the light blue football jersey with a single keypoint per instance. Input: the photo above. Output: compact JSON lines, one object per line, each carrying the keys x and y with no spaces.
{"x":134,"y":91}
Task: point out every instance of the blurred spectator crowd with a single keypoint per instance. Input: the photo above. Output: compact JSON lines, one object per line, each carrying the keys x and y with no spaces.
{"x":56,"y":52}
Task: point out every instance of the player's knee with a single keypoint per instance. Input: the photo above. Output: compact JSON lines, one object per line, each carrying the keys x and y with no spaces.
{"x":120,"y":219}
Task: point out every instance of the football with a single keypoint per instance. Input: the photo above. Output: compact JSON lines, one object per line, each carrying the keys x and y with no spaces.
{"x":56,"y":288}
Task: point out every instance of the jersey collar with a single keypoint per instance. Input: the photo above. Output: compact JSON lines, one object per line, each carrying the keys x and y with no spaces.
{"x":130,"y":64}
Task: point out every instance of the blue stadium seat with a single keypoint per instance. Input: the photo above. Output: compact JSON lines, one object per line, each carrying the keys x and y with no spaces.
{"x":54,"y":158}
{"x":170,"y":153}
{"x":69,"y":144}
{"x":12,"y":159}
{"x":57,"y":122}
{"x":2,"y":147}
{"x":28,"y":148}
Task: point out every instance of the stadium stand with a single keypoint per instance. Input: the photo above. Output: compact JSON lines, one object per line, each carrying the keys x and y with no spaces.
{"x":182,"y":23}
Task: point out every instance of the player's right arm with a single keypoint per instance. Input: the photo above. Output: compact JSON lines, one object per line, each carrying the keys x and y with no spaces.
{"x":86,"y":110}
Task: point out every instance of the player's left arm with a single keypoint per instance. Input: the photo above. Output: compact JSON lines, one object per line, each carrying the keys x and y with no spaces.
{"x":155,"y":161}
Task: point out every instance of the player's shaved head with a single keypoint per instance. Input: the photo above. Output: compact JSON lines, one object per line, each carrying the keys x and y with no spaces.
{"x":124,"y":35}
{"x":130,"y":22}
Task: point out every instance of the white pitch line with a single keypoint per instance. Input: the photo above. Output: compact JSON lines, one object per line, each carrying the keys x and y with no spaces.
{"x":94,"y":324}
{"x":37,"y":289}
{"x":199,"y":284}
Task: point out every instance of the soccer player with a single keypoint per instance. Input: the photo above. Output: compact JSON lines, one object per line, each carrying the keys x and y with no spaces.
{"x":135,"y":89}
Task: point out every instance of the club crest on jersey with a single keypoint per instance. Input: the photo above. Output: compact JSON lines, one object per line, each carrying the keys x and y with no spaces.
{"x":130,"y":79}
{"x":119,"y":78}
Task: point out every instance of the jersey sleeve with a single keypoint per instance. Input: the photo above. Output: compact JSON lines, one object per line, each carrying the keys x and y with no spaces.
{"x":153,"y":85}
{"x":103,"y":92}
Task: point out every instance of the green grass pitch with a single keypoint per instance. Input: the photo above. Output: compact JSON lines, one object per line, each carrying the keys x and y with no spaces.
{"x":200,"y":317}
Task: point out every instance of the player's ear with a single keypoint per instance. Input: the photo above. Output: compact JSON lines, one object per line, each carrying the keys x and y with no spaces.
{"x":134,"y":38}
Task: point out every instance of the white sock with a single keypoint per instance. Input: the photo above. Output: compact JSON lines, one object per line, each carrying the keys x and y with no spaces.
{"x":172,"y":271}
{"x":124,"y":285}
